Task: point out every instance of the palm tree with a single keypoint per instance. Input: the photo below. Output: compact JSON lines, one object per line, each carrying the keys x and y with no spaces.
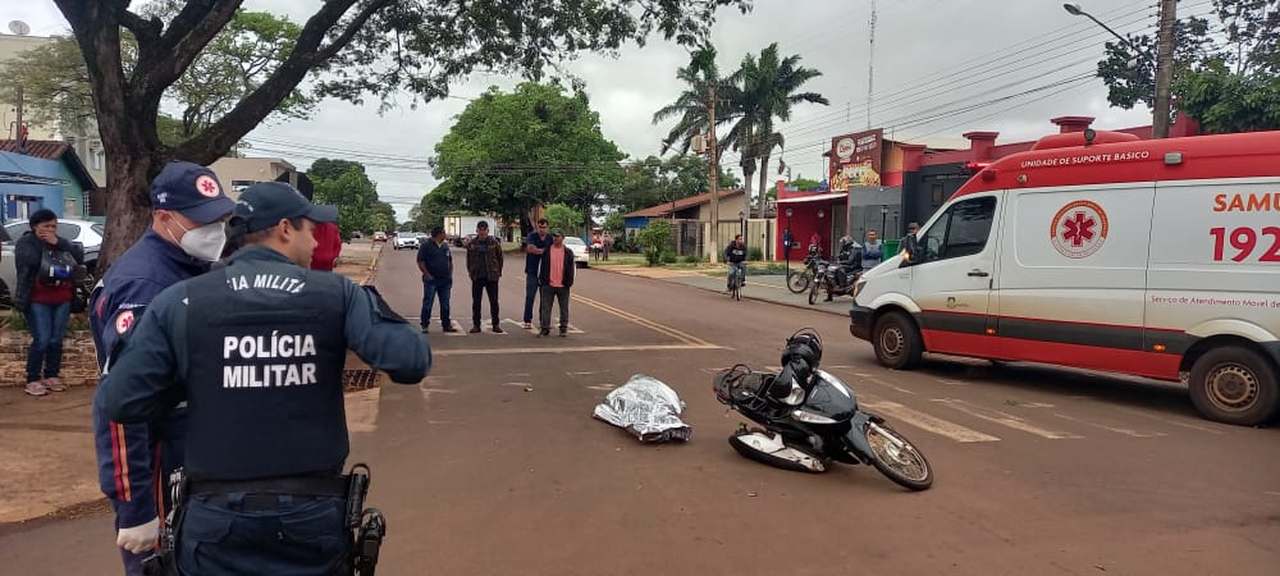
{"x":767,"y":88}
{"x":691,"y":106}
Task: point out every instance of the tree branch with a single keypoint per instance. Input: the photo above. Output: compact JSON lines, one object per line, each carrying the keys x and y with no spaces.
{"x":182,"y":43}
{"x":353,"y":27}
{"x":219,"y":137}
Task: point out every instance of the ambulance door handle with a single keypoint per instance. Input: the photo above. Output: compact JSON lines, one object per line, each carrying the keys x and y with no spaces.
{"x":976,"y":273}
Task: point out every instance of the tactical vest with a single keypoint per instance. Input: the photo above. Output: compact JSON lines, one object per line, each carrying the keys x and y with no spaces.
{"x":264,"y":385}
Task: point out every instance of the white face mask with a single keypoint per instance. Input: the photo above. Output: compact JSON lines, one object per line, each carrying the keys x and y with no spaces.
{"x":204,"y":242}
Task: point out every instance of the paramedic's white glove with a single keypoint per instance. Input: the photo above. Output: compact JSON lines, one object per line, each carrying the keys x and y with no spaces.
{"x":140,"y":538}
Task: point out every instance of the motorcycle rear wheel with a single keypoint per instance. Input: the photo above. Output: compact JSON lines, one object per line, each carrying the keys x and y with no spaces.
{"x":897,"y":458}
{"x":798,"y":281}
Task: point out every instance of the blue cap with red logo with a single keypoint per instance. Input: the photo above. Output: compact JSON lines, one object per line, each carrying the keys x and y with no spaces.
{"x":191,"y":190}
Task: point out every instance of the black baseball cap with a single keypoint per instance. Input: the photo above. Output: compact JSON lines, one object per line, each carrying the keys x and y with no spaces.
{"x":192,"y":190}
{"x":265,"y":204}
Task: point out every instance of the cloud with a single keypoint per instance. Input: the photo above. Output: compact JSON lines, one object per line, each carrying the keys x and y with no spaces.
{"x":932,"y":58}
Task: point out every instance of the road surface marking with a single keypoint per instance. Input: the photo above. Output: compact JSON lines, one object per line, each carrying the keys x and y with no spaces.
{"x":1005,"y":419}
{"x":1168,"y":421}
{"x":1125,"y":431}
{"x":924,"y":421}
{"x":534,"y":327}
{"x":602,"y":387}
{"x":517,"y":384}
{"x":951,"y":382}
{"x":1272,"y":493}
{"x":656,"y":327}
{"x":575,"y":349}
{"x":587,"y":373}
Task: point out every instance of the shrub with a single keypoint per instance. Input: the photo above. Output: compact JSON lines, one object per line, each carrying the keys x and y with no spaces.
{"x":691,"y":259}
{"x":755,"y":253}
{"x":668,"y":258}
{"x":654,"y":239}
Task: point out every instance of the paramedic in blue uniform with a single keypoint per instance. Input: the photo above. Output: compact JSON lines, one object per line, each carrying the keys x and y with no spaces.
{"x":189,"y":210}
{"x":257,"y":349}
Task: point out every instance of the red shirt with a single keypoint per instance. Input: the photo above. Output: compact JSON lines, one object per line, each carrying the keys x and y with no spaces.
{"x":556,"y":277}
{"x":48,"y":295}
{"x":328,"y":245}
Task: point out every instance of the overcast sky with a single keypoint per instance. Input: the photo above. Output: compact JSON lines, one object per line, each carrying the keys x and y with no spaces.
{"x":942,"y":68}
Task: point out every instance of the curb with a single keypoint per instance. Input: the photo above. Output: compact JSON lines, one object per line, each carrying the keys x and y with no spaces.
{"x":373,"y":266}
{"x":744,"y":296}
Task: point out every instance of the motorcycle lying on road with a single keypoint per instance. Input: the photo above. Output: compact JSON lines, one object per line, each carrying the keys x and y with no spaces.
{"x":835,"y":282}
{"x":812,"y":419}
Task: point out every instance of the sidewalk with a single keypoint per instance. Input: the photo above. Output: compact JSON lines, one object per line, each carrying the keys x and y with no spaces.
{"x":770,"y":288}
{"x":46,"y":444}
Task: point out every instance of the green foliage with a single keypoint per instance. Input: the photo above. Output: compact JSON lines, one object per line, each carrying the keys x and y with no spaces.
{"x":564,"y":219}
{"x":1224,"y":72}
{"x":614,"y":223}
{"x":430,"y":210}
{"x":356,"y":197}
{"x":755,"y":253}
{"x":58,"y":90}
{"x":668,"y":258}
{"x":804,"y":184}
{"x":655,"y":241}
{"x":691,"y":259}
{"x":331,"y":169}
{"x":539,"y":145}
{"x":654,"y":180}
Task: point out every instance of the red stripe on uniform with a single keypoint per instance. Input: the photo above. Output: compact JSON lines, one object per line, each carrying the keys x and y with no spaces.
{"x":123,"y":487}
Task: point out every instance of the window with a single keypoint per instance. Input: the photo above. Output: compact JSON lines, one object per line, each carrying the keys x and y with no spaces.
{"x":961,"y":231}
{"x":16,"y":230}
{"x":97,"y":156}
{"x":68,"y":231}
{"x":100,"y":229}
{"x":936,"y":195}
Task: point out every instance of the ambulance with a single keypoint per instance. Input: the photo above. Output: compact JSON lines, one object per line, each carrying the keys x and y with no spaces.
{"x":1097,"y":250}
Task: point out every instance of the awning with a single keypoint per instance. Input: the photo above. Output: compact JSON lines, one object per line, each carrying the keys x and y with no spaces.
{"x":814,"y":198}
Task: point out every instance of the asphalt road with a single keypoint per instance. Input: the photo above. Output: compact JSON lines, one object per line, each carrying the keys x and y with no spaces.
{"x":494,"y":465}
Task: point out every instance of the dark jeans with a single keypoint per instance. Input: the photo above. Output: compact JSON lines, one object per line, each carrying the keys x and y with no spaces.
{"x":530,"y":292}
{"x":478,"y":288}
{"x":430,"y":290}
{"x":48,"y":325}
{"x":561,"y":296}
{"x":235,"y":534}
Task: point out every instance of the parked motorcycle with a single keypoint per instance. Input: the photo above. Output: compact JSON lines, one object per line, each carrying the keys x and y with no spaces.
{"x":798,"y":280}
{"x":811,"y":419}
{"x":833,"y":280}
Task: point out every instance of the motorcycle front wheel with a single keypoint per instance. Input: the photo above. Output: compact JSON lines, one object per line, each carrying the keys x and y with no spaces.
{"x":798,"y":281}
{"x":897,"y":458}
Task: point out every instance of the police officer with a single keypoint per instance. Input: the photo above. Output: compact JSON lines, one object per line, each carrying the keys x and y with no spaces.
{"x":187,"y":232}
{"x":257,"y":350}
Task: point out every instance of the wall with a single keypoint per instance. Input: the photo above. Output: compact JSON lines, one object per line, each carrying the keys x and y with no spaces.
{"x":729,"y":208}
{"x":803,"y":222}
{"x":51,"y":197}
{"x":251,"y":170}
{"x":79,"y":358}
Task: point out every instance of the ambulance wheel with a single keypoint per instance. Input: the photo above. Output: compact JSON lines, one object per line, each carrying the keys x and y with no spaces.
{"x":1235,"y":385}
{"x":896,"y":341}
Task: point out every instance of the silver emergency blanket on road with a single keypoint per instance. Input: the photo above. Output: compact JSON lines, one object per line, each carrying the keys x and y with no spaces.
{"x":647,"y":408}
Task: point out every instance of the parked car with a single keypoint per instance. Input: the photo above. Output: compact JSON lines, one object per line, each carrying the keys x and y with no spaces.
{"x":379,"y":236}
{"x":401,"y":242}
{"x":581,"y":254}
{"x":87,"y":234}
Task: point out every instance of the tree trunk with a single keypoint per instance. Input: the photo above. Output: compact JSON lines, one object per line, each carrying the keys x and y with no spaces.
{"x":764,"y":176}
{"x":128,"y":201}
{"x":748,"y":170}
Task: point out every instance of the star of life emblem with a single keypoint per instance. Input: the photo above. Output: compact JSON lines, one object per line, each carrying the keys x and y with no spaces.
{"x":1079,"y":229}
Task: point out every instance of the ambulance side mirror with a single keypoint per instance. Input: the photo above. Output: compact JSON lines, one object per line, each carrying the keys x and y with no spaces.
{"x":911,"y":251}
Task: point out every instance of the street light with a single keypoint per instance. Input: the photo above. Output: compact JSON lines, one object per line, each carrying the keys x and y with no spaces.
{"x":1074,"y":9}
{"x":884,"y":217}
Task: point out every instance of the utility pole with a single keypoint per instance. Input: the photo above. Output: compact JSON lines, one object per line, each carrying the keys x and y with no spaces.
{"x":713,"y":149}
{"x":1164,"y":69}
{"x":871,"y":62}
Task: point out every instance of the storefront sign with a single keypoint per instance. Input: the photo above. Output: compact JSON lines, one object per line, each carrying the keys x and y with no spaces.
{"x":855,"y":160}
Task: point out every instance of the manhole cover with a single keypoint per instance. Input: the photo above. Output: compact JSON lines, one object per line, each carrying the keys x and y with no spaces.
{"x":361,"y":379}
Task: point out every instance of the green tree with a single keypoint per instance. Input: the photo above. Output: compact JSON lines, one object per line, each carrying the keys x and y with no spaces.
{"x":653,"y":181}
{"x":510,"y":152}
{"x":356,"y":198}
{"x":700,"y":77}
{"x":1226,"y":71}
{"x":430,"y":211}
{"x":804,"y":184}
{"x":767,"y":88}
{"x":349,"y":48}
{"x":329,"y":168}
{"x":614,"y":223}
{"x":655,"y":240}
{"x":564,"y":218}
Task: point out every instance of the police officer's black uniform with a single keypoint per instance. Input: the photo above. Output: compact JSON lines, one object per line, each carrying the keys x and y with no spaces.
{"x":257,"y":350}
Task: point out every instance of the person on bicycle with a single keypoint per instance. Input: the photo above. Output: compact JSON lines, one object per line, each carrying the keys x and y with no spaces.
{"x":736,"y":255}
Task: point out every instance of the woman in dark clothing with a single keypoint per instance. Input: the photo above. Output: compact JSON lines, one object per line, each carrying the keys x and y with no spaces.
{"x":46,"y":267}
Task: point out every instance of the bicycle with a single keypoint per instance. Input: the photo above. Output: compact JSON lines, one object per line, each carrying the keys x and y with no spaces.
{"x":736,"y":282}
